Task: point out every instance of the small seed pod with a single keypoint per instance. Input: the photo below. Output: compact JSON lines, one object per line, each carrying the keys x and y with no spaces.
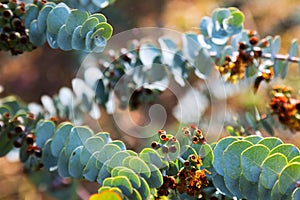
{"x":193,"y":158}
{"x":19,"y":141}
{"x":243,"y":46}
{"x":30,"y":138}
{"x":155,"y":145}
{"x":7,"y":14}
{"x":6,"y":115}
{"x":195,"y":140}
{"x":163,"y":137}
{"x":38,"y":152}
{"x":19,"y":129}
{"x":253,"y":40}
{"x":165,"y":149}
{"x":186,"y":163}
{"x":174,"y":139}
{"x":16,"y":22}
{"x":173,"y":149}
{"x":161,"y":132}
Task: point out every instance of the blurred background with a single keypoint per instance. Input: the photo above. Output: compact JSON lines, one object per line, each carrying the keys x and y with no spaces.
{"x":45,"y":71}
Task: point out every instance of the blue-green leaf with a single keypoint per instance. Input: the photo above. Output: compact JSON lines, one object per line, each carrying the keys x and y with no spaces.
{"x":31,"y":14}
{"x":75,"y":19}
{"x":36,"y":37}
{"x":75,"y":166}
{"x":64,"y":39}
{"x":251,"y":161}
{"x":289,"y":150}
{"x":42,"y":18}
{"x":78,"y":136}
{"x":231,"y":158}
{"x":44,"y":131}
{"x":103,"y":29}
{"x":106,"y":153}
{"x":151,"y":156}
{"x":121,"y":182}
{"x":271,"y":168}
{"x":289,"y":177}
{"x":63,"y":164}
{"x":88,"y":25}
{"x":57,"y":17}
{"x":91,"y":145}
{"x":78,"y":42}
{"x":218,"y":153}
{"x":48,"y":159}
{"x":61,"y":135}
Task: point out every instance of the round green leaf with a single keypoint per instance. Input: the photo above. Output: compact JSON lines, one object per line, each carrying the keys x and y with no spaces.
{"x":131,"y":175}
{"x":48,"y":159}
{"x":88,"y":25}
{"x":107,"y":195}
{"x":206,"y":154}
{"x":44,"y":131}
{"x":252,"y":159}
{"x":144,"y":190}
{"x":75,"y":19}
{"x":78,"y":42}
{"x":103,"y":29}
{"x":271,"y":168}
{"x":61,"y":135}
{"x":254,"y":139}
{"x":289,"y":177}
{"x":75,"y":166}
{"x":91,"y":145}
{"x":64,"y":39}
{"x":91,"y":171}
{"x":296,"y":194}
{"x":106,"y":153}
{"x":219,"y":183}
{"x":57,"y":17}
{"x":78,"y":136}
{"x":52,"y":40}
{"x":233,"y":186}
{"x":117,"y":159}
{"x":149,"y":155}
{"x":99,"y":16}
{"x":31,"y":14}
{"x":218,"y":153}
{"x":248,"y":189}
{"x":232,"y":157}
{"x":289,"y":150}
{"x":121,"y":182}
{"x":270,"y":142}
{"x":63,"y":164}
{"x":156,"y":178}
{"x":42,"y":18}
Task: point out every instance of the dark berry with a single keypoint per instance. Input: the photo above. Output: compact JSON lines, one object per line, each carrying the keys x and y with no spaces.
{"x":154,"y":145}
{"x":165,"y":149}
{"x":173,"y":149}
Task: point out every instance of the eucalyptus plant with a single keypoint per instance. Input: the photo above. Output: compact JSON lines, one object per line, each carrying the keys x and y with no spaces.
{"x":185,"y":166}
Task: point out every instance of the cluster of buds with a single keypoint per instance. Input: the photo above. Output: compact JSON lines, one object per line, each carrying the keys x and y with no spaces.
{"x":14,"y":36}
{"x":286,"y":107}
{"x":234,"y":68}
{"x":190,"y":179}
{"x":18,"y":130}
{"x":166,"y":143}
{"x":195,"y":133}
